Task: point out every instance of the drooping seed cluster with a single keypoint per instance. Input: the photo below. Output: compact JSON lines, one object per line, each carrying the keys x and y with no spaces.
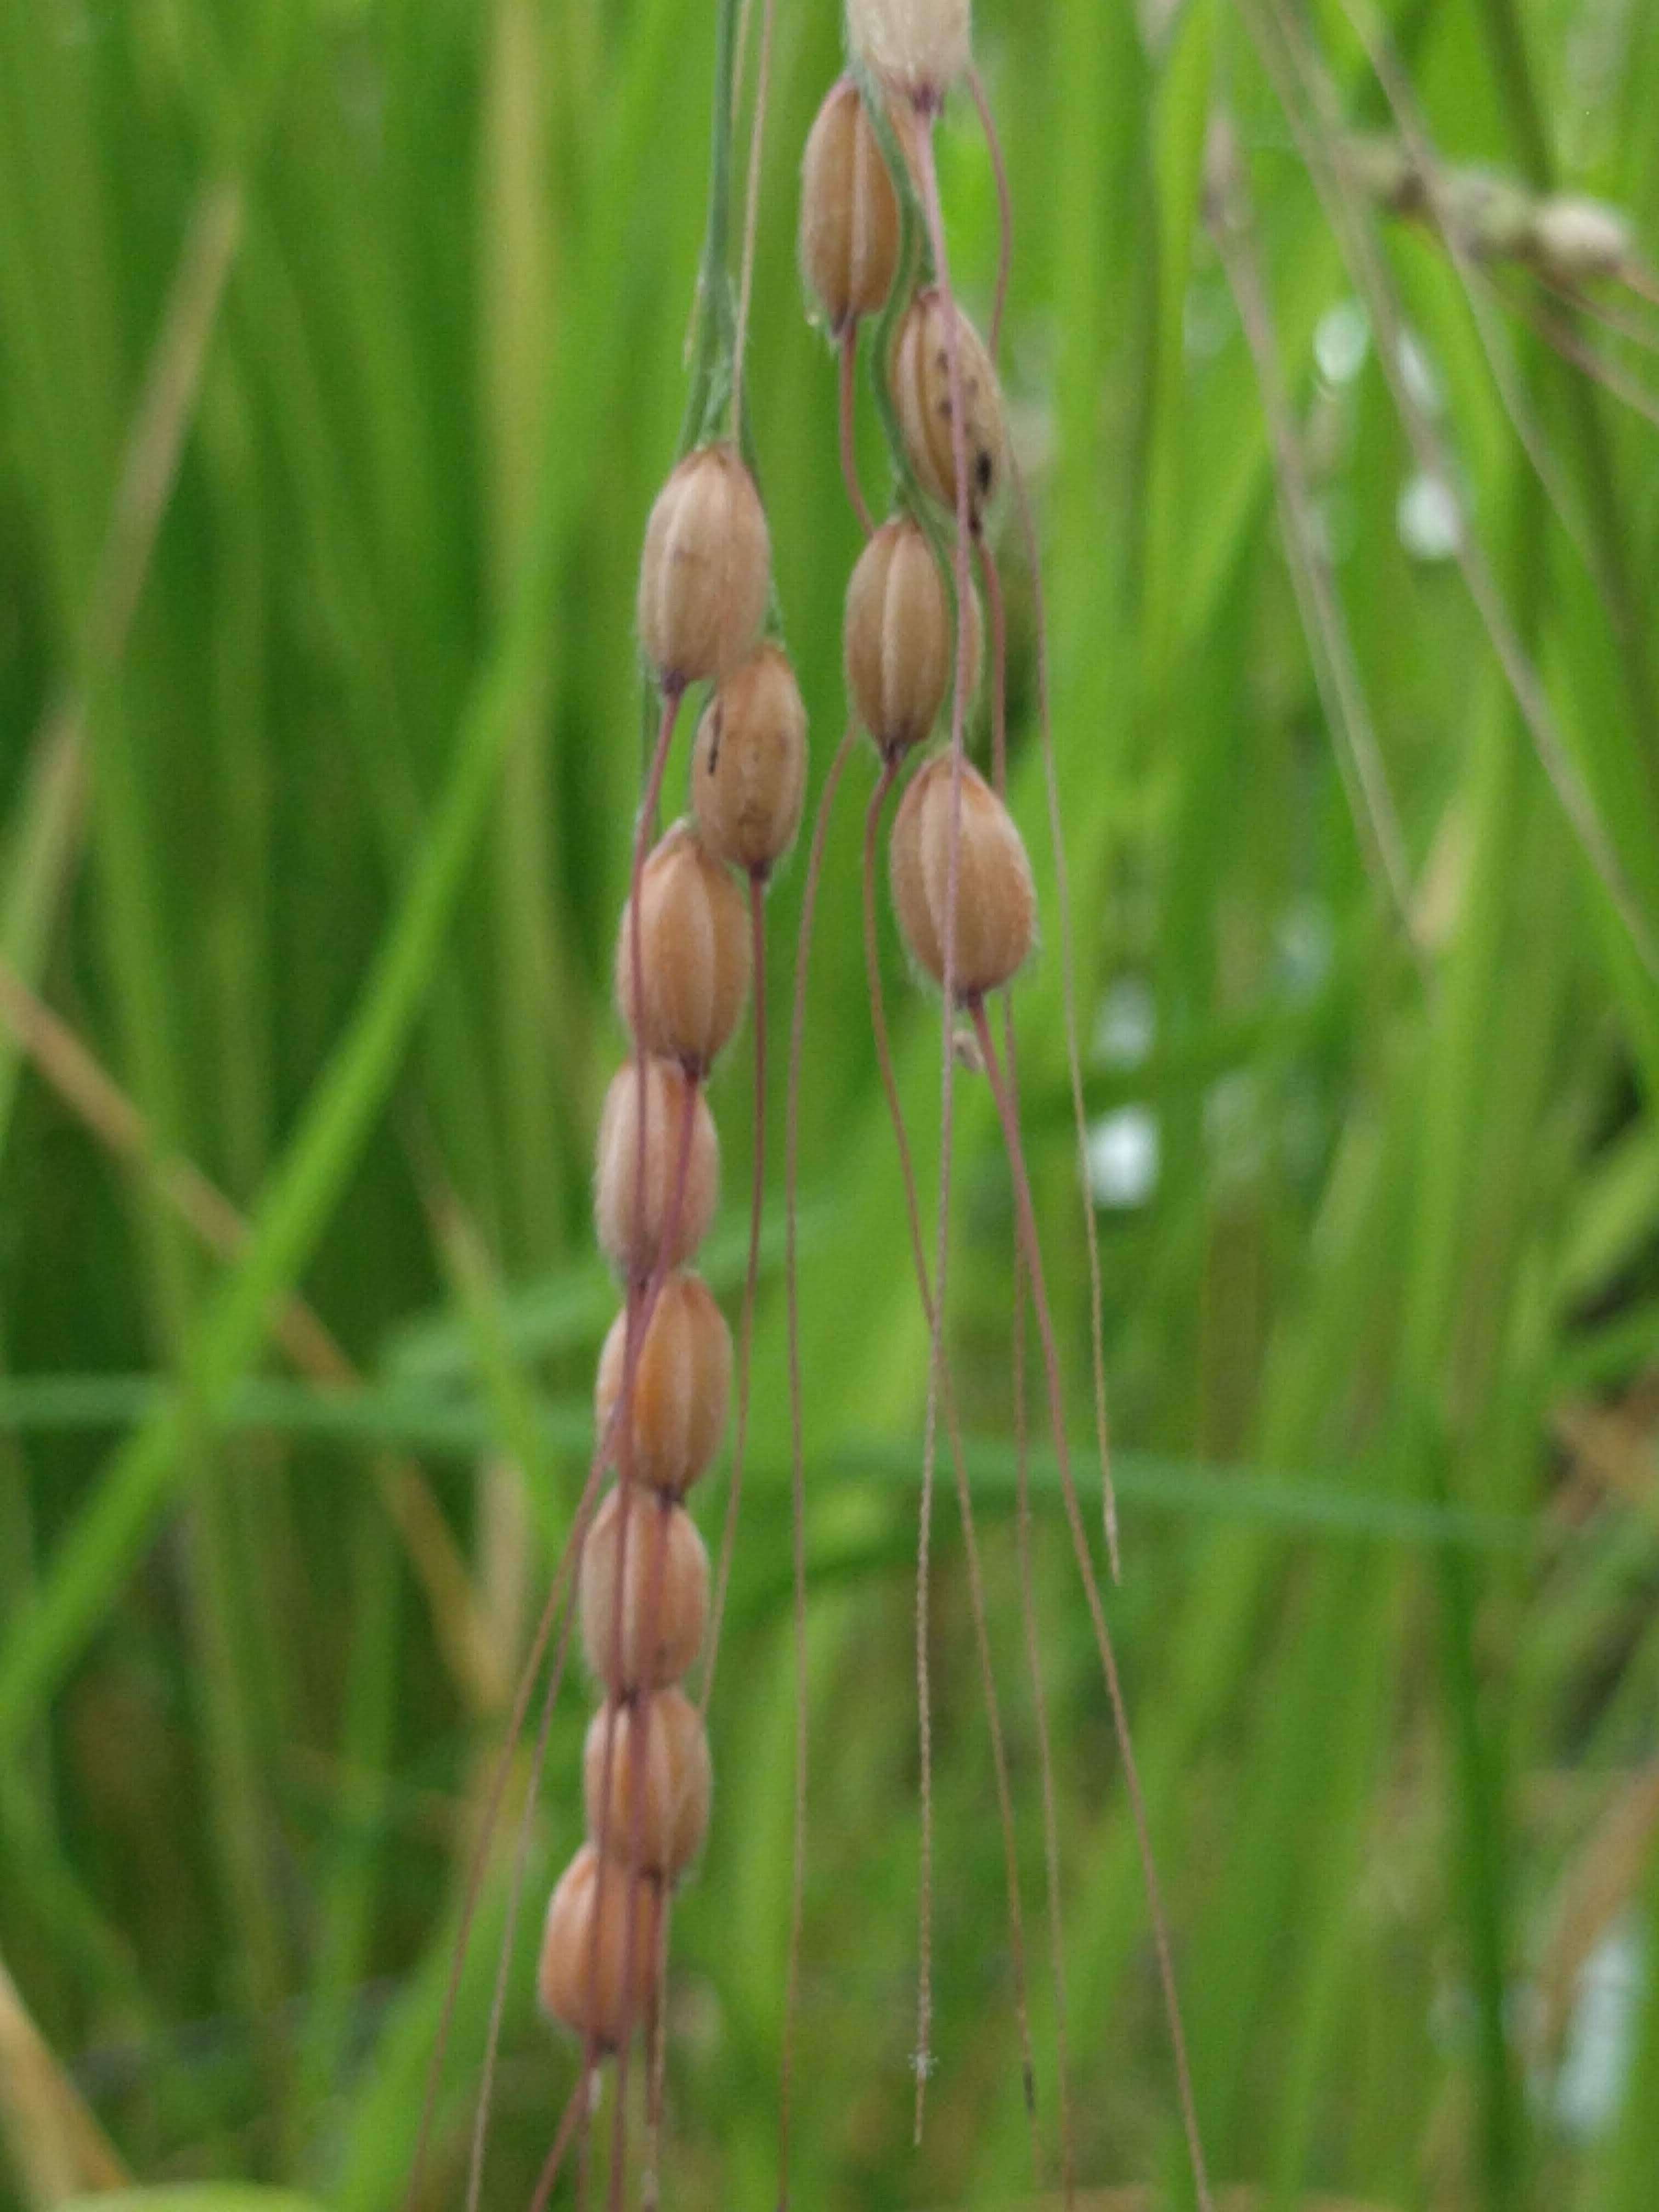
{"x":684,"y":955}
{"x":692,"y":946}
{"x":960,"y":877}
{"x":960,"y":883}
{"x":900,"y":638}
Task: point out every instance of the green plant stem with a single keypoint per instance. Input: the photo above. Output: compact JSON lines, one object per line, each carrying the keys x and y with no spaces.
{"x":711,"y":370}
{"x":710,"y":389}
{"x":346,"y":1914}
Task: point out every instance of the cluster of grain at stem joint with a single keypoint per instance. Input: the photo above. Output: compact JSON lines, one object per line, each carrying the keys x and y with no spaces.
{"x":684,"y":956}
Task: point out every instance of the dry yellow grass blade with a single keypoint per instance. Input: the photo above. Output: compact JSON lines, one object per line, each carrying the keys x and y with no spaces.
{"x":57,"y":2148}
{"x":480,"y":1671}
{"x":1238,"y":2199}
{"x":1612,"y":1447}
{"x":1600,"y":1882}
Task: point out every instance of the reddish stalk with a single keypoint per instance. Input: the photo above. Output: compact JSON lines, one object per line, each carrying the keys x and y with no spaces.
{"x":642,"y":1704}
{"x":935,"y":221}
{"x":1004,"y":204}
{"x":673,"y":691}
{"x":997,"y":614}
{"x":1068,"y":997}
{"x":631,"y":1338}
{"x":1580,"y":354}
{"x":797,"y":1461}
{"x":619,"y":2116}
{"x":642,"y":1302}
{"x":1034,"y":1664}
{"x":965,"y":1498}
{"x":509,"y":1931}
{"x":585,"y":2139}
{"x":924,"y":1544}
{"x":1045,"y":1749}
{"x":750,"y":1285}
{"x":569,"y":1561}
{"x":1010,"y":1121}
{"x":847,"y":353}
{"x":637,"y":1323}
{"x":555,"y":2157}
{"x":642,"y":1299}
{"x":656,"y":2044}
{"x":1637,"y":329}
{"x":933,"y":216}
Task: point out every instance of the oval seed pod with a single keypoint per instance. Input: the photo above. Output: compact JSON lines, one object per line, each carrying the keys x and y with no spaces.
{"x":850,"y":212}
{"x":660,"y":1782}
{"x":664,"y":1586}
{"x":918,"y":47}
{"x":634,"y":1227}
{"x":899,"y":643}
{"x":694,"y":953}
{"x":587,"y":1987}
{"x":996,"y":900}
{"x":705,"y":569}
{"x":682,"y":1387}
{"x":749,"y":765}
{"x":921,"y":385}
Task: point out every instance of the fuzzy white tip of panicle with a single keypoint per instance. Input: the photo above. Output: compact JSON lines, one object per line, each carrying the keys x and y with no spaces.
{"x":917,"y":47}
{"x":1578,"y":237}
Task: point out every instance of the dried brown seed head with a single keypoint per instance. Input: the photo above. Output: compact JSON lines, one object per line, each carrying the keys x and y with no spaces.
{"x":681,"y":1388}
{"x":850,"y":212}
{"x":899,"y":640}
{"x":705,"y":569}
{"x":749,"y":766}
{"x":916,"y":47}
{"x":996,"y":900}
{"x":694,"y":953}
{"x":600,"y":1986}
{"x":656,"y":1813}
{"x":635,"y":1231}
{"x":665,"y":1592}
{"x":921,"y":385}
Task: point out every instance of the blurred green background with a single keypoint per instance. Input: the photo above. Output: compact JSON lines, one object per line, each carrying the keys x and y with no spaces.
{"x":341,"y":355}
